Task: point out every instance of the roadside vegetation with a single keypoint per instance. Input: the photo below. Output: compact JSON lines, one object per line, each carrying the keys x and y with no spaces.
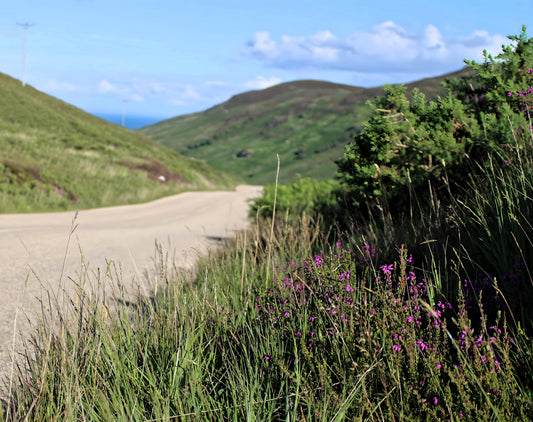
{"x":400,"y":292}
{"x":57,"y":157}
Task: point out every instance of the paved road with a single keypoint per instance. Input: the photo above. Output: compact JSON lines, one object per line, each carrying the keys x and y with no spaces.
{"x":33,"y":246}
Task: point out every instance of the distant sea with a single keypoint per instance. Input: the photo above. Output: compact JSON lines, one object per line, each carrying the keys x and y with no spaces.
{"x":130,"y":121}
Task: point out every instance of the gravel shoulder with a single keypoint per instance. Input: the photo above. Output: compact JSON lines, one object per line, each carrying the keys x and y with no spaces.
{"x":41,"y":252}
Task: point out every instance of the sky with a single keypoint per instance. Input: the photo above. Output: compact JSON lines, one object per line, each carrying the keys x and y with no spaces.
{"x":165,"y":58}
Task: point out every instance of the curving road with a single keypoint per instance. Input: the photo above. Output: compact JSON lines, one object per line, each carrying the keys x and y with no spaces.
{"x":33,"y":247}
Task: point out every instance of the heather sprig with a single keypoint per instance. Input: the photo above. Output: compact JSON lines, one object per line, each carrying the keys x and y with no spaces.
{"x":423,"y":349}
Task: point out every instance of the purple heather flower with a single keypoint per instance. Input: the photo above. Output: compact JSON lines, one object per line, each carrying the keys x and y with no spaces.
{"x":396,"y":348}
{"x":387,"y":269}
{"x":349,"y":288}
{"x":422,"y":345}
{"x":494,"y":327}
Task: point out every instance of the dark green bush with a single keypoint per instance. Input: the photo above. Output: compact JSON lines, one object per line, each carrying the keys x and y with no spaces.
{"x":410,"y":142}
{"x":305,"y":195}
{"x":407,"y":142}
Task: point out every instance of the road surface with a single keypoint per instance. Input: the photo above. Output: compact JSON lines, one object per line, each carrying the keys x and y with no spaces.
{"x":45,"y":251}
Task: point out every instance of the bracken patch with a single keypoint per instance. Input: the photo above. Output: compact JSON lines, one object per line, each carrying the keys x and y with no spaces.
{"x":154,"y":170}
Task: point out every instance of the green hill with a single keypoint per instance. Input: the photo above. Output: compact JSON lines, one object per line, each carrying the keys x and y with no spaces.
{"x":307,"y":123}
{"x":55,"y":156}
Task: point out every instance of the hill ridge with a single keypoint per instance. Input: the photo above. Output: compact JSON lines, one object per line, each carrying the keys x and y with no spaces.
{"x":251,"y":96}
{"x":306,"y":122}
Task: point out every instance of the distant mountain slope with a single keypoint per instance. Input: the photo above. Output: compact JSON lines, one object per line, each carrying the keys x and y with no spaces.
{"x":55,"y":156}
{"x":307,"y":123}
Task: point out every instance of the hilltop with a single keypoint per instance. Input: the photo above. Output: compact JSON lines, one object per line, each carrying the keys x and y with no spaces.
{"x":308,"y":123}
{"x":56,"y":156}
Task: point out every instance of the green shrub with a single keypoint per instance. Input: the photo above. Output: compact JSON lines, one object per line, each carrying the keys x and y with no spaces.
{"x":410,"y":142}
{"x":305,"y":195}
{"x":407,"y":142}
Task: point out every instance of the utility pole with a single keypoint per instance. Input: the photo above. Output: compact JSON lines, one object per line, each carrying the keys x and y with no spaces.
{"x":124,"y":113}
{"x":26,"y":26}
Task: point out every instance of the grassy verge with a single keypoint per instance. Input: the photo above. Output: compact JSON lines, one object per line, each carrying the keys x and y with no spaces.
{"x":280,"y":327}
{"x":286,"y":323}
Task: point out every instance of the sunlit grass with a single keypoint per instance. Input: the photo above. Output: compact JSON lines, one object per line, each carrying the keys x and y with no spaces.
{"x":57,"y":157}
{"x":332,"y":334}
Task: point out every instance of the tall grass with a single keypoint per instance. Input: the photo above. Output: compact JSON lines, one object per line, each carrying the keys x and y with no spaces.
{"x":425,"y":320}
{"x":497,"y":226}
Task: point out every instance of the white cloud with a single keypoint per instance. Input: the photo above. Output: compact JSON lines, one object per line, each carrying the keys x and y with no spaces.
{"x":261,"y":82}
{"x":190,"y":93}
{"x":387,"y":48}
{"x":215,"y":83}
{"x":482,"y":40}
{"x":261,"y":44}
{"x":185,"y":96}
{"x":105,"y":87}
{"x":151,"y":90}
{"x":154,"y":88}
{"x":136,"y":98}
{"x":178,"y":102}
{"x":127,"y":91}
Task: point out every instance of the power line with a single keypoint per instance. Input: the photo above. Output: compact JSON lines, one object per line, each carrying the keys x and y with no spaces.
{"x":26,"y":26}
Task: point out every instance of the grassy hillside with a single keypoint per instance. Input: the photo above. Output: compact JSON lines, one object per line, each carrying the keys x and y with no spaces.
{"x":307,"y":123}
{"x":55,"y":156}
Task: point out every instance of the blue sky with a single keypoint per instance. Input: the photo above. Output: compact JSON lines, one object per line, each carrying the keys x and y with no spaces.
{"x":170,"y":57}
